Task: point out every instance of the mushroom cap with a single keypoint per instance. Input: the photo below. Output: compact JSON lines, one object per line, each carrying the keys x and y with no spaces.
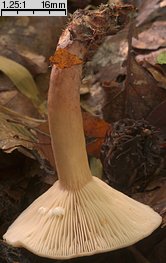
{"x":64,"y":224}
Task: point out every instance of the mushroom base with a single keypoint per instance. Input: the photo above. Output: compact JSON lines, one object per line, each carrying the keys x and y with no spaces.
{"x":63,"y":224}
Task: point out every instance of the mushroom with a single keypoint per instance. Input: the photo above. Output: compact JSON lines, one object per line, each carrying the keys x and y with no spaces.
{"x":79,"y":215}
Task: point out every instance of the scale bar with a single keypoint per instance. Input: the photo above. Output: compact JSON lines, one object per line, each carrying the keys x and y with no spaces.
{"x":33,"y":10}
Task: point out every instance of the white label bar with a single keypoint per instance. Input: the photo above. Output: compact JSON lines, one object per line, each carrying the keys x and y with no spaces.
{"x":33,"y":8}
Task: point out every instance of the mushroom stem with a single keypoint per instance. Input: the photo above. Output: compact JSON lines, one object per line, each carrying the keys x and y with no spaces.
{"x":65,"y":120}
{"x":66,"y":128}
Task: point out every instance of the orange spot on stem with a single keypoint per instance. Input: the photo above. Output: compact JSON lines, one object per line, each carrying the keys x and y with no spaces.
{"x":64,"y":59}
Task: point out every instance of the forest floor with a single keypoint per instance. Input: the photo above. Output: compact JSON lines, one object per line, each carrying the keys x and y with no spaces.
{"x":123,"y":93}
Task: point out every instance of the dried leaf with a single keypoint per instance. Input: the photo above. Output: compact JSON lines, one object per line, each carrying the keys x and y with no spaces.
{"x":152,"y":38}
{"x":84,"y":90}
{"x":44,"y":145}
{"x":157,"y":116}
{"x":14,"y":136}
{"x":155,"y":197}
{"x":149,"y":10}
{"x":143,"y":94}
{"x":93,"y":102}
{"x":6,"y":96}
{"x":95,"y":130}
{"x":163,"y":3}
{"x":37,"y":63}
{"x":151,"y":57}
{"x":23,"y":80}
{"x":94,"y":126}
{"x":64,"y":59}
{"x":25,"y":120}
{"x":93,"y":147}
{"x":158,"y":76}
{"x":17,"y":131}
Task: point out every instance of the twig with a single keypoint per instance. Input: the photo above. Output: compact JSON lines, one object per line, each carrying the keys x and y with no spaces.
{"x":129,"y":73}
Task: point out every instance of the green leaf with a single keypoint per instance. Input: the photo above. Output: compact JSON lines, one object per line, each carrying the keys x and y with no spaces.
{"x":23,"y":80}
{"x":161,"y":59}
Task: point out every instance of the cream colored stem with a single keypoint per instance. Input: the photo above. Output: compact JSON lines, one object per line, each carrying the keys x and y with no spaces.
{"x":65,"y":122}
